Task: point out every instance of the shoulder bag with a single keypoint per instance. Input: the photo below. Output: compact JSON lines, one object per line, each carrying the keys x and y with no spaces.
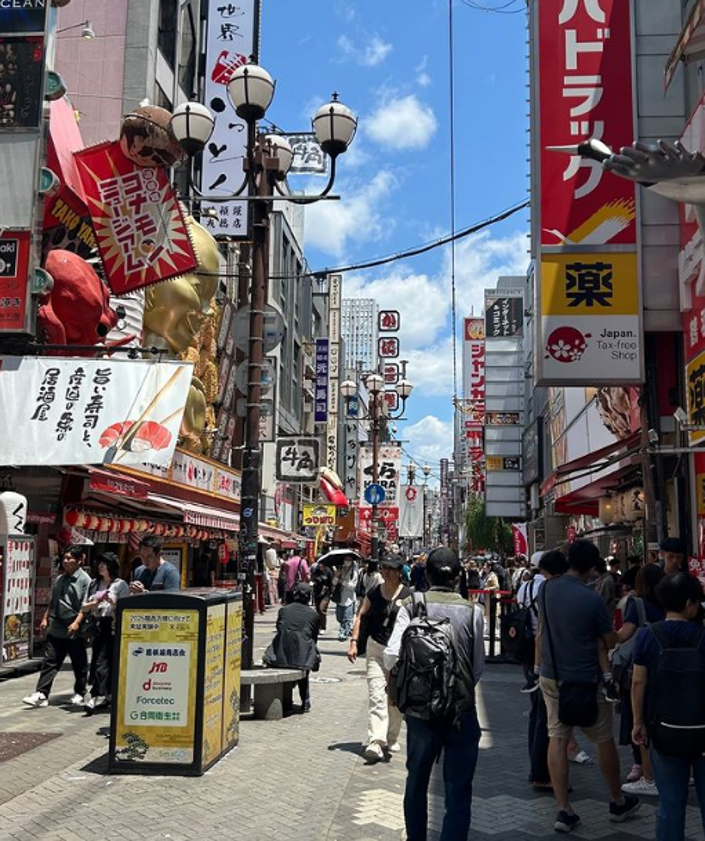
{"x":577,"y":700}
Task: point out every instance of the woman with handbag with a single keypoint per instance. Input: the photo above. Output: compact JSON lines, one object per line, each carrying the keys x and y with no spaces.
{"x":644,"y":608}
{"x":99,"y":610}
{"x":371,"y":632}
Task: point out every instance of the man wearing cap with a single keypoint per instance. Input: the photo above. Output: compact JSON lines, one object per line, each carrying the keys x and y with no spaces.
{"x":426,"y":739}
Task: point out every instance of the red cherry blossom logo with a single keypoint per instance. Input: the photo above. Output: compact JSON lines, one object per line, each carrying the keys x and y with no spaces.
{"x":566,"y":344}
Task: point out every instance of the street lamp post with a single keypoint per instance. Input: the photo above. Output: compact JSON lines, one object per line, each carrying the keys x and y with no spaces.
{"x":426,"y":470}
{"x":375,"y":387}
{"x":267,"y":161}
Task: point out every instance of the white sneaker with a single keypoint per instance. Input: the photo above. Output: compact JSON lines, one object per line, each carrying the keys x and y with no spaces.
{"x":36,"y":699}
{"x":77,"y":700}
{"x":374,"y":752}
{"x":395,"y":747}
{"x":642,"y":787}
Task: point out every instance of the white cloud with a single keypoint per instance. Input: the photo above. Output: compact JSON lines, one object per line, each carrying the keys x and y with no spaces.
{"x":402,"y":123}
{"x":422,"y":77}
{"x":430,"y":440}
{"x":374,"y":52}
{"x":422,"y":303}
{"x":430,"y":368}
{"x":359,"y":216}
{"x":480,"y":260}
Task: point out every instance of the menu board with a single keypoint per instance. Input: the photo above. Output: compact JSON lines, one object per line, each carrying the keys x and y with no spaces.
{"x":233,"y":665}
{"x":17,"y":596}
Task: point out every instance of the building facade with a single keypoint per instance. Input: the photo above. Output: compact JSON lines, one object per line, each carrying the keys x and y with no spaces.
{"x":360,"y":332}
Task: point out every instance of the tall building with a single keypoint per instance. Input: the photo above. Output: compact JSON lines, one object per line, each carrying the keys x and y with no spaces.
{"x":359,"y":331}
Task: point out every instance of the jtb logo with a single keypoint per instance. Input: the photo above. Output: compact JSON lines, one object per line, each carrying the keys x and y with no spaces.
{"x":158,"y":667}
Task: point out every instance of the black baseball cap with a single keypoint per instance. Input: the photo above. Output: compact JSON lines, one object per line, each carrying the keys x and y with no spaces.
{"x":444,"y":561}
{"x":392,"y":562}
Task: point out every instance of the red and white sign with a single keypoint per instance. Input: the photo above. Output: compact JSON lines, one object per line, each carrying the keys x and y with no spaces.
{"x":16,"y":607}
{"x":391,"y":373}
{"x":521,"y":541}
{"x":391,"y":399}
{"x":14,"y":265}
{"x":389,"y":321}
{"x":388,"y":347}
{"x":384,"y":515}
{"x":139,"y":227}
{"x":411,"y":511}
{"x":585,"y":91}
{"x":117,"y":485}
{"x":474,"y":403}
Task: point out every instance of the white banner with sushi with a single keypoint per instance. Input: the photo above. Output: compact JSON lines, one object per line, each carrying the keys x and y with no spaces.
{"x":90,"y":411}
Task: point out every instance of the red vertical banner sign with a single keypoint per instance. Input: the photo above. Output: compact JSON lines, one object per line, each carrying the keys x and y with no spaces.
{"x":585,"y":91}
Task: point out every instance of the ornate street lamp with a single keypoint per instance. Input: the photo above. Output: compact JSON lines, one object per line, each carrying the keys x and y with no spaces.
{"x":267,"y":161}
{"x":375,"y":388}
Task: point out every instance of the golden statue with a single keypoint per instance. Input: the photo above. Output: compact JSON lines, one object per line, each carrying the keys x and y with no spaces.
{"x":176,"y":310}
{"x":179,"y":317}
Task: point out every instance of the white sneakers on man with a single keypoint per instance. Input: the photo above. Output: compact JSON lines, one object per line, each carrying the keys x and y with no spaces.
{"x":373,"y":752}
{"x":36,"y":699}
{"x":77,"y":700}
{"x":641,"y":787}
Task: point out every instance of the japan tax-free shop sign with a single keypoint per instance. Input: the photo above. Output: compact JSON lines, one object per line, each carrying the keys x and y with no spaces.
{"x":585,"y":219}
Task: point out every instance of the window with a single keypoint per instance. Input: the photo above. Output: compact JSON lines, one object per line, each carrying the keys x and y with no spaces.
{"x":187,"y":56}
{"x":168,"y":24}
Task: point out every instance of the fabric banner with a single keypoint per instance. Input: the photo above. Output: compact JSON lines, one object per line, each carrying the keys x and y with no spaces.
{"x":90,"y":411}
{"x":411,"y":511}
{"x":139,"y":227}
{"x":520,"y":537}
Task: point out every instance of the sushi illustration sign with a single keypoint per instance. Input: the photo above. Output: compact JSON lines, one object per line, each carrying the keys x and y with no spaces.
{"x":90,"y":411}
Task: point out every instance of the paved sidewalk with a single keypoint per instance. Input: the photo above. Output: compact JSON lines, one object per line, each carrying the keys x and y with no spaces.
{"x":300,"y":779}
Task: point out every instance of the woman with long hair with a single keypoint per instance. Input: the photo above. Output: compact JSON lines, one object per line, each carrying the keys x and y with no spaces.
{"x":107,"y":588}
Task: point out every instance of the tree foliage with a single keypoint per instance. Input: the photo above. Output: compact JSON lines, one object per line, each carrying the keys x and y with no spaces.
{"x":490,"y":533}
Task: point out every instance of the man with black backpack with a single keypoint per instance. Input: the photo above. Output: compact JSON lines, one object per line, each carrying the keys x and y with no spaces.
{"x":668,"y":699}
{"x":436,"y":656}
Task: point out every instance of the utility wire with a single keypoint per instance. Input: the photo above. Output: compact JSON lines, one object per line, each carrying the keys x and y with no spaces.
{"x":453,"y":310}
{"x":400,"y":255}
{"x":500,"y":10}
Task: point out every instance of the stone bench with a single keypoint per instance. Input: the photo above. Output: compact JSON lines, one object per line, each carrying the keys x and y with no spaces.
{"x":273,"y":690}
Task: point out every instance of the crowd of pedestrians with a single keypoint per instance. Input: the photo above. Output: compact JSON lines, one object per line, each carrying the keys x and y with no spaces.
{"x":593,"y":642}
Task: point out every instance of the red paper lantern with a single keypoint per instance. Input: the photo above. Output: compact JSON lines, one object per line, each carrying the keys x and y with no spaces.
{"x":71,"y":517}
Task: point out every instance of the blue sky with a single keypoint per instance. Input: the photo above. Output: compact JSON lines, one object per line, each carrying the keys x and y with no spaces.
{"x":389,"y":61}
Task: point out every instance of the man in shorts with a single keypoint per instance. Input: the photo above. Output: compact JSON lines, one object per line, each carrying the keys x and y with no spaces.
{"x":574,"y":622}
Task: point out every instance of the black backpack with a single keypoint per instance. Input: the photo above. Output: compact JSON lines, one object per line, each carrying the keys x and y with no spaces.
{"x":676,"y":695}
{"x":518,"y":630}
{"x":427,"y":681}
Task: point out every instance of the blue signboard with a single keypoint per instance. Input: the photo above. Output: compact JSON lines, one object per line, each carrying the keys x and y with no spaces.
{"x":375,"y":494}
{"x":23,"y":16}
{"x":320,"y":396}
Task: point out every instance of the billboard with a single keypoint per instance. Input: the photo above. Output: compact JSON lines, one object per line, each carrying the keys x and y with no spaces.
{"x":585,"y":225}
{"x":139,"y":225}
{"x":232,"y":37}
{"x":473,"y":406}
{"x":90,"y":411}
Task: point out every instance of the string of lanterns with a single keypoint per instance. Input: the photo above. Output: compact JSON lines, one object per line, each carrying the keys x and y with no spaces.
{"x":121,"y":525}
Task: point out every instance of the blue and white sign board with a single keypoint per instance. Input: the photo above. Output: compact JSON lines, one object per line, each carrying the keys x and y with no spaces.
{"x":375,"y":494}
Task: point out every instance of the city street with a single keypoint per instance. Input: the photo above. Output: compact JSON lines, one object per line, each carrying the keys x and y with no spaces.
{"x":297,"y":779}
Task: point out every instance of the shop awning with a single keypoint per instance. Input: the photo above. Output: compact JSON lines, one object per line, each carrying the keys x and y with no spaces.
{"x":200,"y":515}
{"x":691,"y":42}
{"x":593,"y":462}
{"x":586,"y":500}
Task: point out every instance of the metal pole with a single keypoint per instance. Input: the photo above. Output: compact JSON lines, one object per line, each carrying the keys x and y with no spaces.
{"x":252,"y":456}
{"x":374,"y":541}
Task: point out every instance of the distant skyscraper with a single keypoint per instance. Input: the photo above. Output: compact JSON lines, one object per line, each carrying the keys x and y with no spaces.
{"x":359,"y":332}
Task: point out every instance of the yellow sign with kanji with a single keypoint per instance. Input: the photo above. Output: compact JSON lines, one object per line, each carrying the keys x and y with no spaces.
{"x":695,"y":384}
{"x":599,"y":284}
